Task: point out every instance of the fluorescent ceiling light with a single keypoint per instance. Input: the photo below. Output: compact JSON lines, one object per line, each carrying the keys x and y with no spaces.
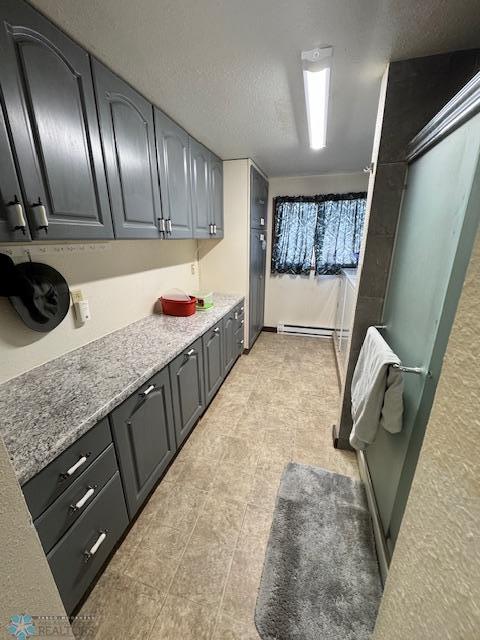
{"x":316,"y":79}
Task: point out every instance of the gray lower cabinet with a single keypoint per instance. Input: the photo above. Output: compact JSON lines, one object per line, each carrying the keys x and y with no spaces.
{"x":188,"y":389}
{"x":257,"y":284}
{"x":128,"y":138}
{"x":13,"y":220}
{"x":214,"y":364}
{"x":82,"y":551}
{"x":173,"y":153}
{"x":50,"y":106}
{"x":229,"y":331}
{"x":200,"y":158}
{"x":216,"y":195}
{"x":144,"y":435}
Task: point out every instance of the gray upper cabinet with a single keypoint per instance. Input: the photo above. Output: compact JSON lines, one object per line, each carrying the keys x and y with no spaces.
{"x":258,"y":200}
{"x":13,"y":221}
{"x":128,"y":137}
{"x":173,"y":153}
{"x":213,"y":358}
{"x":200,"y":184}
{"x":188,"y":389}
{"x":216,"y":195}
{"x":50,"y":105}
{"x":144,"y":435}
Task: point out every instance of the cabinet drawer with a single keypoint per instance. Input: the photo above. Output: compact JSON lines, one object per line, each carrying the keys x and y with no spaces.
{"x":52,"y":481}
{"x":76,"y":559}
{"x":70,"y":505}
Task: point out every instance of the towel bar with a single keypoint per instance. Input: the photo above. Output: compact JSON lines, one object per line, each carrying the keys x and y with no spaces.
{"x":417,"y":370}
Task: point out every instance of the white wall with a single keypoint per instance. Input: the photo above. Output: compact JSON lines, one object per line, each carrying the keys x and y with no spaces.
{"x":121,"y":285}
{"x":309,"y":301}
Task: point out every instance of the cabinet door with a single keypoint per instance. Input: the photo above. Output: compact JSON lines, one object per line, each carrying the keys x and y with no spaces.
{"x":200,"y":181}
{"x":128,"y":137}
{"x":258,"y":200}
{"x":174,"y":169}
{"x":213,"y":360}
{"x":48,"y":91}
{"x":10,"y":192}
{"x":216,"y":194}
{"x":229,"y":346}
{"x":188,"y":389}
{"x":144,"y":435}
{"x":257,"y":284}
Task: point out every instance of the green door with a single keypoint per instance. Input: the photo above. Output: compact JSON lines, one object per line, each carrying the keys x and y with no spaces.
{"x":434,"y":240}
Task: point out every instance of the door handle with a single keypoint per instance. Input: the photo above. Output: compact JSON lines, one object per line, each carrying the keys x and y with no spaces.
{"x":40,"y":216}
{"x":80,"y":462}
{"x":262,"y":221}
{"x":85,"y":498}
{"x":16,"y":218}
{"x":100,"y":540}
{"x":147,"y":391}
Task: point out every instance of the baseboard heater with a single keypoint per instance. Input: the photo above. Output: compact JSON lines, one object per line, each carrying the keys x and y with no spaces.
{"x":302,"y":330}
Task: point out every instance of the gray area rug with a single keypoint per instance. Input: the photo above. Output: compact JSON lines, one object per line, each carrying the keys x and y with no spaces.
{"x":320,"y":579}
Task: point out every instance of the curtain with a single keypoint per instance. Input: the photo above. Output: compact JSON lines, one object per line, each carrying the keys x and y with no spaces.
{"x":293,"y":236}
{"x":324,"y":230}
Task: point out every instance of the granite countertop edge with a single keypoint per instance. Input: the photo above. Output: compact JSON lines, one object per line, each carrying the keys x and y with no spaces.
{"x":33,"y":443}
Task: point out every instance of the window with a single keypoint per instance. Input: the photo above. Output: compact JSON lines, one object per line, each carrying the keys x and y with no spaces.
{"x":321,"y":232}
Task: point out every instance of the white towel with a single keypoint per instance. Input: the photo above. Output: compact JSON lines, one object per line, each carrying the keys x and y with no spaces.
{"x":377,"y":391}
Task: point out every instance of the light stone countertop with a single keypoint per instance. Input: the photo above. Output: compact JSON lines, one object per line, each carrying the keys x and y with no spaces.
{"x":45,"y":410}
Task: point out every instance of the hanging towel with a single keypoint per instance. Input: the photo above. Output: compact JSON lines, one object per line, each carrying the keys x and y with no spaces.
{"x":377,"y":391}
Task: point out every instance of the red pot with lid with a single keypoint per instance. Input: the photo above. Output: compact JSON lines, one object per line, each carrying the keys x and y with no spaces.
{"x":177,"y":303}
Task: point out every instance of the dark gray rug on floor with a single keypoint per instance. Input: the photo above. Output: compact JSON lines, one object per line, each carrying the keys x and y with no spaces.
{"x":320,"y":579}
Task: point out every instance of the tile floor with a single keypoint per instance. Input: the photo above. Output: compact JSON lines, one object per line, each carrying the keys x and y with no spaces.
{"x":190,"y":567}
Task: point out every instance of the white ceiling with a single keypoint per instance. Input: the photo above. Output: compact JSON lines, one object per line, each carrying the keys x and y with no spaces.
{"x":229,"y":70}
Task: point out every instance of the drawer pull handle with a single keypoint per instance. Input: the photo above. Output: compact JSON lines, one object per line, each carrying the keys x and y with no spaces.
{"x":262,"y":221}
{"x":241,"y":322}
{"x":190,"y":353}
{"x":240,"y":342}
{"x":216,"y":330}
{"x":86,"y":498}
{"x":241,"y":309}
{"x":101,"y":538}
{"x":75,"y":467}
{"x":236,"y":315}
{"x":148,"y":390}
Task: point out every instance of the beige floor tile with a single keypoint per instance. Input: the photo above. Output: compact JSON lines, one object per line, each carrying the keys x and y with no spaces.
{"x":166,"y":541}
{"x":219,"y":523}
{"x":177,"y":505}
{"x":229,"y":629}
{"x":118,"y":607}
{"x":265,"y":489}
{"x":202,"y":572}
{"x":238,"y":451}
{"x":344,"y":462}
{"x":208,"y":445}
{"x":232,"y":482}
{"x":149,"y":567}
{"x":318,"y":457}
{"x":133,"y":538}
{"x":181,"y":619}
{"x":195,"y":472}
{"x":242,"y":586}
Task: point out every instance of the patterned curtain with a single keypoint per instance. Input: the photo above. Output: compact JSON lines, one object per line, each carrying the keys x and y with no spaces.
{"x":338,"y":234}
{"x":293,"y":236}
{"x":326,"y":229}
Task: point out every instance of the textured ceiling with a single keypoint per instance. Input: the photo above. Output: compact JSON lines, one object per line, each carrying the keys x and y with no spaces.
{"x":229,"y":70}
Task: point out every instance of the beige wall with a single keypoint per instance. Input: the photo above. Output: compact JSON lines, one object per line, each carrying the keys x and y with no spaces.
{"x":300,"y":300}
{"x":27,"y":584}
{"x":121,"y":284}
{"x":433,"y":587}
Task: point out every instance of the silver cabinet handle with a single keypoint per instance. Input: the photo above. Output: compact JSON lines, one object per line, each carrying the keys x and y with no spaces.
{"x":216,"y":330}
{"x":262,"y":221}
{"x":241,"y":322}
{"x":100,"y":540}
{"x":148,"y":390}
{"x":211,"y":229}
{"x":214,"y":229}
{"x":261,"y":202}
{"x":262,"y":237}
{"x":78,"y":505}
{"x":161,"y":225}
{"x":69,"y":472}
{"x":241,"y":309}
{"x":240,"y":342}
{"x":16,"y":218}
{"x":190,"y":353}
{"x":40,"y":216}
{"x":169,"y":225}
{"x":236,"y":315}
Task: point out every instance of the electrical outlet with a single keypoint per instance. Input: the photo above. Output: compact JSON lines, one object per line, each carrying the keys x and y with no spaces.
{"x":77,"y":295}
